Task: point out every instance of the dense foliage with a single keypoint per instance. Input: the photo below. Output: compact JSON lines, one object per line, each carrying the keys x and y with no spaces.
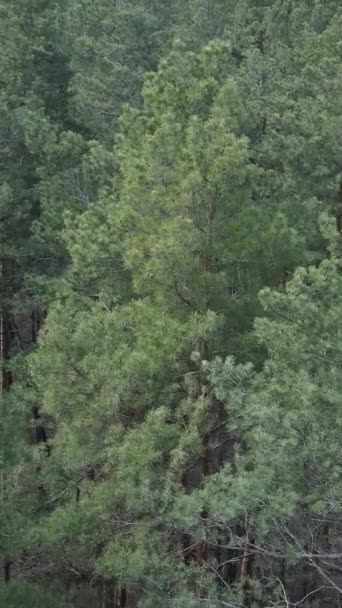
{"x":170,"y":296}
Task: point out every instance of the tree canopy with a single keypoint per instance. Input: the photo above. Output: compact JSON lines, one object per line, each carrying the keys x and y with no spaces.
{"x":170,"y":295}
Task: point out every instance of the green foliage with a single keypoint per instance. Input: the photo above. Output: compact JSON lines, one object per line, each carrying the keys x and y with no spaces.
{"x":21,"y":595}
{"x":288,"y":418}
{"x":111,"y":45}
{"x":163,"y":162}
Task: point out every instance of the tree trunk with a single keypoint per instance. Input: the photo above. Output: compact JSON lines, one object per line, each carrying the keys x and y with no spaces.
{"x":247,"y":571}
{"x":114,"y":596}
{"x":7,"y":571}
{"x":6,"y":378}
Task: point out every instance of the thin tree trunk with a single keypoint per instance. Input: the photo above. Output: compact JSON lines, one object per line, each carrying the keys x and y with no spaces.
{"x":5,"y":379}
{"x":246,"y":572}
{"x":7,"y":571}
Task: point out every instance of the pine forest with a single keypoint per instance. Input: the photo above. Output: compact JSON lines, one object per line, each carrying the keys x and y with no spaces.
{"x":170,"y":303}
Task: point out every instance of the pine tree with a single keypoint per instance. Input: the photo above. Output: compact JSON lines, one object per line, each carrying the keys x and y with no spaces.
{"x":286,"y":420}
{"x":165,"y":274}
